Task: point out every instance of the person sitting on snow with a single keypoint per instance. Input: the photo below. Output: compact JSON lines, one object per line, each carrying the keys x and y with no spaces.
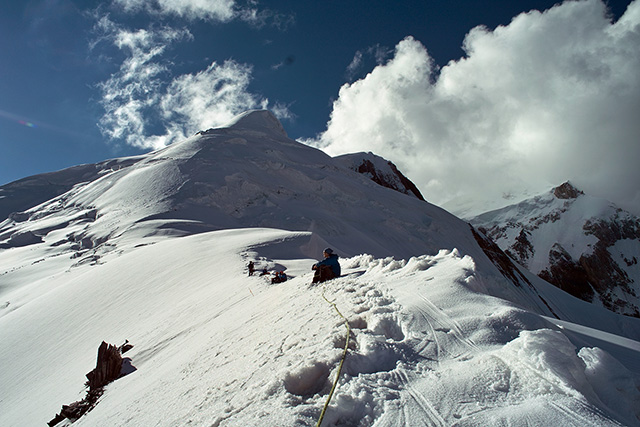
{"x":328,"y":268}
{"x":279,"y":277}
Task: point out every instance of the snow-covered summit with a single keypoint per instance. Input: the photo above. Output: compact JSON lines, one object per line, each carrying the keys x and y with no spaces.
{"x":255,"y":121}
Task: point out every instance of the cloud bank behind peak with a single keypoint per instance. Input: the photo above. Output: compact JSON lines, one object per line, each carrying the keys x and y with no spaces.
{"x":552,"y":96}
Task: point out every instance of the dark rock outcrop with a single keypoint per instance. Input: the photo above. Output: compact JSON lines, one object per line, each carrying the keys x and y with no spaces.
{"x":567,"y":274}
{"x":109,"y":367}
{"x":380,"y":171}
{"x":597,"y":271}
{"x":566,"y":191}
{"x":504,"y":264}
{"x":408,"y":185}
{"x":499,"y":259}
{"x":522,"y":249}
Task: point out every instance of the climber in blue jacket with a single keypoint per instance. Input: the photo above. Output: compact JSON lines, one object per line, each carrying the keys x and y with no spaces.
{"x":328,"y":268}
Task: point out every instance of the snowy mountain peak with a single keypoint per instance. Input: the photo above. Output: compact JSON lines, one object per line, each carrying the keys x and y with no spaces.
{"x":247,"y":174}
{"x":566,"y":191}
{"x":257,"y":120}
{"x":585,"y":245}
{"x":253,"y":121}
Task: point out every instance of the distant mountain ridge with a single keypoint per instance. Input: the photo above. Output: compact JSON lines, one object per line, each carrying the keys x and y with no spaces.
{"x":584,"y":245}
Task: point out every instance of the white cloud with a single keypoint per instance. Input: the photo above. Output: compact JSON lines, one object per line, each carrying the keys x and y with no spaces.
{"x":209,"y":10}
{"x":354,"y":65}
{"x":216,"y":10}
{"x":261,"y":17}
{"x":211,"y":96}
{"x":146,"y":106}
{"x":128,"y":94}
{"x":379,"y":53}
{"x":552,"y":96}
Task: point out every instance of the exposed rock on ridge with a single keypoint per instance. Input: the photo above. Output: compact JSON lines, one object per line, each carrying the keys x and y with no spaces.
{"x":566,"y":191}
{"x":381,"y":171}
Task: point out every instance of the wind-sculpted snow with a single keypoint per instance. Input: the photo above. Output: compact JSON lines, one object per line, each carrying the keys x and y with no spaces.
{"x":213,"y":346}
{"x":259,"y":121}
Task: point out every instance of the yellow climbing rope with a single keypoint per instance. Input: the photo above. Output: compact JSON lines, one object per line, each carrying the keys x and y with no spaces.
{"x":344,"y":355}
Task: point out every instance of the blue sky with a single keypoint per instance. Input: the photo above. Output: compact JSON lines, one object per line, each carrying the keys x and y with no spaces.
{"x":83,"y":81}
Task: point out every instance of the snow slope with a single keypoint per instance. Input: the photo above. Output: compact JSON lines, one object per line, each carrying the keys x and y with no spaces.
{"x":155,"y":252}
{"x":215,"y":347}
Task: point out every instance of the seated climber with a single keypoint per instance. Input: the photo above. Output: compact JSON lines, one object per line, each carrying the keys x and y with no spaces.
{"x":280,"y":276}
{"x":328,"y":268}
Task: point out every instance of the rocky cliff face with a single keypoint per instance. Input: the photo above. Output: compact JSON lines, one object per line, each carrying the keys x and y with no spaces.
{"x":583,"y":245}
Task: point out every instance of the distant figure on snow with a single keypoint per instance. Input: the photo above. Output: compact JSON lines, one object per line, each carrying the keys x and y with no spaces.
{"x":251,"y":268}
{"x":328,"y":268}
{"x":279,"y":277}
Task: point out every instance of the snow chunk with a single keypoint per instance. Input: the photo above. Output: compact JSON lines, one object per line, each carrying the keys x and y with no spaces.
{"x":616,"y":387}
{"x":547,"y":363}
{"x":307,"y":380}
